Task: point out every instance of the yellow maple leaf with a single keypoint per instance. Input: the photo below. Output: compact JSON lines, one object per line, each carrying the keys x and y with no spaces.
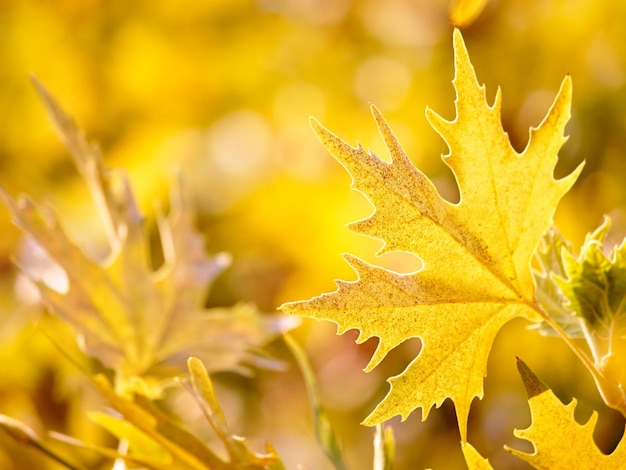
{"x":476,"y":254}
{"x":473,"y":459}
{"x":552,"y":450}
{"x":139,"y":321}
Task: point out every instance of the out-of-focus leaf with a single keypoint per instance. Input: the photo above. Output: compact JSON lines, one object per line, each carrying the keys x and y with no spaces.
{"x":474,"y":460}
{"x":592,"y":283}
{"x":591,"y":288}
{"x":241,"y":456}
{"x":18,"y":430}
{"x":139,"y":322}
{"x":384,"y":448}
{"x":549,"y":295}
{"x":139,"y":444}
{"x":464,"y":12}
{"x":477,"y":253}
{"x":560,"y":442}
{"x":323,"y":429}
{"x":187,"y":450}
{"x":106,"y":452}
{"x":23,"y":434}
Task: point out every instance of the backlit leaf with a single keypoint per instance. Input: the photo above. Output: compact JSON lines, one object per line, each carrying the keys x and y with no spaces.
{"x":476,"y":254}
{"x":549,"y":295}
{"x":587,"y":297}
{"x":474,"y":460}
{"x":560,"y":442}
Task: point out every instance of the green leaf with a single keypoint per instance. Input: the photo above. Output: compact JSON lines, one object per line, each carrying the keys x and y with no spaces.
{"x":594,"y":283}
{"x":549,"y":255}
{"x":586,"y":296}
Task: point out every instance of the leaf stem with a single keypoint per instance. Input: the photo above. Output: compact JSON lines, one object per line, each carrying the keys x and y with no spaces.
{"x":323,"y":429}
{"x":591,"y":342}
{"x":53,"y":455}
{"x":611,"y":392}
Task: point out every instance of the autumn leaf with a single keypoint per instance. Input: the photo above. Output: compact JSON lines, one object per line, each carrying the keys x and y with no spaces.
{"x":239,"y":453}
{"x":139,"y":321}
{"x":573,"y":445}
{"x":140,"y":446}
{"x":187,"y":450}
{"x":476,"y":254}
{"x":24,"y":435}
{"x":473,"y":459}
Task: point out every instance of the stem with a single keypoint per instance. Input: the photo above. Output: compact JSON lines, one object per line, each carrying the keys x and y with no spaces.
{"x":53,"y":455}
{"x":572,"y":345}
{"x":611,"y":392}
{"x":591,"y":342}
{"x":323,"y":429}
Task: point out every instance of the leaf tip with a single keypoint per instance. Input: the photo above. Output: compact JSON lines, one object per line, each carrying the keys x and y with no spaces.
{"x":460,"y":49}
{"x":41,"y":90}
{"x":19,"y":431}
{"x":316,"y":126}
{"x":534,"y":386}
{"x":465,"y":80}
{"x":52,"y":107}
{"x":567,"y":82}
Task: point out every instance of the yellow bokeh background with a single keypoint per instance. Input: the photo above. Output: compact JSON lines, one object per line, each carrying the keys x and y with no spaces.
{"x":221,"y":91}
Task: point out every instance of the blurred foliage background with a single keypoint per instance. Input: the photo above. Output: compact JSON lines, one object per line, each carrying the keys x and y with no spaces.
{"x":220,"y":90}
